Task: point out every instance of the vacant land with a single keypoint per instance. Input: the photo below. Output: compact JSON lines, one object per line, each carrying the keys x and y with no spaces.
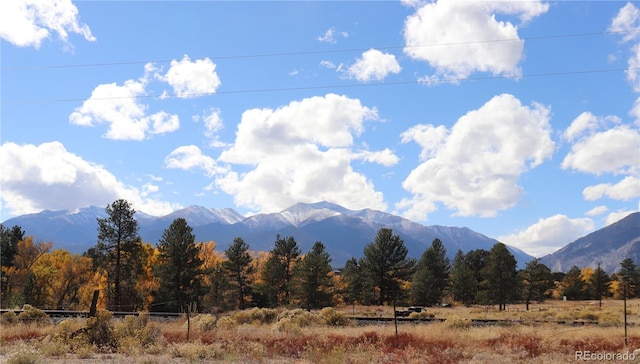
{"x":328,"y":336}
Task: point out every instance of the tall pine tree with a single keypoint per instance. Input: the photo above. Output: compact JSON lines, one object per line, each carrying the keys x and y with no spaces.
{"x":178,"y":269}
{"x":536,"y":281}
{"x":464,"y":284}
{"x":313,"y":281}
{"x":278,"y":271}
{"x":239,"y":269}
{"x":119,"y":250}
{"x":500,"y":276}
{"x":432,"y":275}
{"x":386,"y":265}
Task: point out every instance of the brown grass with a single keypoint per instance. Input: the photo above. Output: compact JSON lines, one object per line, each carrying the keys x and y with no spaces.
{"x":300,"y":336}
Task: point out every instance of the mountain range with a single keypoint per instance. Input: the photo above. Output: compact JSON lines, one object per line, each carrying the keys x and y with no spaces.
{"x":607,"y":247}
{"x":344,"y":232}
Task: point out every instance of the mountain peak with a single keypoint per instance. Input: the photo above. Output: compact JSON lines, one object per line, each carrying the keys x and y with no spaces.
{"x":302,"y":213}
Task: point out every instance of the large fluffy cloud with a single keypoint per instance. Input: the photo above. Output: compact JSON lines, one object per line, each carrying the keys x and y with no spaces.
{"x":627,"y":22}
{"x":302,"y":152}
{"x":26,"y":23}
{"x":119,"y":106}
{"x":458,"y":38}
{"x":600,"y":148}
{"x":473,"y":168}
{"x":189,"y":157}
{"x":373,"y":65}
{"x":47,"y":176}
{"x":549,"y":234}
{"x":192,"y":78}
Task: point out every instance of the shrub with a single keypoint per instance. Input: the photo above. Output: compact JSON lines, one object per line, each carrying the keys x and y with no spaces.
{"x":8,"y":318}
{"x":205,"y":322}
{"x":99,"y":330}
{"x":332,"y":317}
{"x":226,"y":323}
{"x":300,"y":317}
{"x":53,"y":348}
{"x":263,"y":315}
{"x":242,"y":317}
{"x":457,"y":322}
{"x":421,"y":315}
{"x":135,"y":330}
{"x":31,"y":314}
{"x":25,"y":357}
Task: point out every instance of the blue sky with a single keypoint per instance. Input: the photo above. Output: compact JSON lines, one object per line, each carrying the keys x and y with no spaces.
{"x":517,"y":119}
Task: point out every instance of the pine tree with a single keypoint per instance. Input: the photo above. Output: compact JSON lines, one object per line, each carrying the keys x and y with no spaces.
{"x":500,"y":276}
{"x":598,"y":285}
{"x":432,"y":275}
{"x":630,"y":277}
{"x":464,"y":284}
{"x":573,"y":286}
{"x":536,"y":281}
{"x":179,"y":269}
{"x":120,"y":249}
{"x":278,"y":271}
{"x":353,"y":279}
{"x":313,"y":280}
{"x":239,"y":269}
{"x":9,"y":239}
{"x":386,"y":265}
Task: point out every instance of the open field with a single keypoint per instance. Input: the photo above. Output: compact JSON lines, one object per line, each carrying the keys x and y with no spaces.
{"x":297,"y":336}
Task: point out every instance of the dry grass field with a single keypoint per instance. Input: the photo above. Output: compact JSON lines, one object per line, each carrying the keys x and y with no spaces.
{"x":327,"y":336}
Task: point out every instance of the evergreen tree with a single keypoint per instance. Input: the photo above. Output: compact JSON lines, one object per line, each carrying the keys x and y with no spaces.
{"x":500,"y":276}
{"x":573,"y":287}
{"x":598,"y":285}
{"x":464,"y":284}
{"x":239,"y":269}
{"x":178,"y":269}
{"x":630,"y":277}
{"x":477,"y":260}
{"x":278,"y":270}
{"x":353,"y":278}
{"x":386,"y":265}
{"x":432,"y":275}
{"x":121,"y":251}
{"x":9,"y":239}
{"x":215,"y":293}
{"x":313,"y":280}
{"x":536,"y":281}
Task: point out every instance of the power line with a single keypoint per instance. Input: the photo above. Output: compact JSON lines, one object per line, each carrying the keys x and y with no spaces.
{"x":302,"y":53}
{"x":317,"y":87}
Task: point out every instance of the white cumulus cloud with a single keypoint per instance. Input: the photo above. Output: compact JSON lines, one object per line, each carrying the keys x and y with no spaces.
{"x":458,"y":38}
{"x":119,"y":107}
{"x":192,"y":78}
{"x":373,"y":65}
{"x":614,"y":150}
{"x":47,"y":176}
{"x":549,"y":234}
{"x":626,"y":189}
{"x":474,"y":167}
{"x":302,"y":152}
{"x":189,"y":157}
{"x":26,"y":23}
{"x":627,"y":23}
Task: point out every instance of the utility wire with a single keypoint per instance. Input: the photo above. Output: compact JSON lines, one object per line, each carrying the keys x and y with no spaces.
{"x":301,"y":53}
{"x":301,"y":88}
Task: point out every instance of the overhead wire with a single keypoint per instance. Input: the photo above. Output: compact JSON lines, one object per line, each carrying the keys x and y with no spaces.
{"x":302,"y":88}
{"x":302,"y":53}
{"x":315,"y":87}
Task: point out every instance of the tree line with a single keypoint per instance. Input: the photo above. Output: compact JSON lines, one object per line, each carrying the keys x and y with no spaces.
{"x":180,"y":274}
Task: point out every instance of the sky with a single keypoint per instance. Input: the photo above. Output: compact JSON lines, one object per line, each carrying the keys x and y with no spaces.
{"x":517,"y":119}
